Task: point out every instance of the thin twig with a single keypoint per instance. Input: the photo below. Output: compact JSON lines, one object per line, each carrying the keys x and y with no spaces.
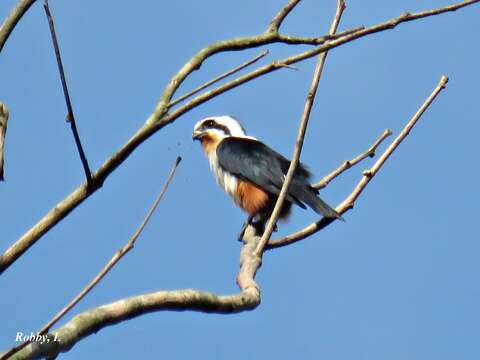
{"x":349,"y":163}
{"x":300,"y":137}
{"x":70,"y":116}
{"x":119,"y":254}
{"x":287,"y":66}
{"x":219,"y":78}
{"x":3,"y":132}
{"x":281,"y":15}
{"x":113,"y":261}
{"x":349,"y":202}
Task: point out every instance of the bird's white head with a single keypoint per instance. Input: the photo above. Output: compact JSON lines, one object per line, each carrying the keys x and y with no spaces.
{"x":218,"y":127}
{"x":213,"y":129}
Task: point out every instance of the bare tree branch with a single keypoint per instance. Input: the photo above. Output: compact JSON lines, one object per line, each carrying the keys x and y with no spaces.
{"x":218,"y":78}
{"x":300,"y":137}
{"x":91,"y":321}
{"x":281,"y":15}
{"x":279,"y":64}
{"x":349,"y":202}
{"x":12,"y":20}
{"x":62,"y":209}
{"x":349,"y":163}
{"x":301,"y":40}
{"x":3,"y":132}
{"x":113,"y":261}
{"x":96,"y":319}
{"x":235,"y":44}
{"x":70,"y":116}
{"x":160,"y":117}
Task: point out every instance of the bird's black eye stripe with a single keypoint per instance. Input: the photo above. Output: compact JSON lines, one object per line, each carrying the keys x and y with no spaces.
{"x":225,"y":129}
{"x":209,"y":124}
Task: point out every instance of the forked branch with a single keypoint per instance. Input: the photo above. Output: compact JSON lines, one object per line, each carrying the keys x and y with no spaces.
{"x":300,"y":136}
{"x":96,"y":319}
{"x":160,"y":117}
{"x":368,"y":175}
{"x":349,"y":163}
{"x":168,"y":118}
{"x":218,"y":78}
{"x":113,"y":261}
{"x":91,"y":321}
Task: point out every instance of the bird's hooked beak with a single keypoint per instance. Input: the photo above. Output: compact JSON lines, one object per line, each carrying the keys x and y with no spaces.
{"x":197,"y":135}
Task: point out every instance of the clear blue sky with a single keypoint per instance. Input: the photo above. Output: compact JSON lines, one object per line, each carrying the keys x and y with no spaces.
{"x":398,"y":280}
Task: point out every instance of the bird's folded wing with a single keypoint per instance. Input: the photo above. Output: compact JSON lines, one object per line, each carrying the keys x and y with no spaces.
{"x":253,"y":161}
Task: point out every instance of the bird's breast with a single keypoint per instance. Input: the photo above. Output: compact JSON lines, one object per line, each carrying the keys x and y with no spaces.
{"x":226,"y":180}
{"x":246,"y":195}
{"x":250,"y":197}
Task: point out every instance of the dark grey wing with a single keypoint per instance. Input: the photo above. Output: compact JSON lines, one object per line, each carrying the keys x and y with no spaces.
{"x":253,"y":161}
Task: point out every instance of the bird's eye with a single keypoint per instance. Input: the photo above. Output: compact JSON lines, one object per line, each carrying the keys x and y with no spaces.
{"x":209,"y":123}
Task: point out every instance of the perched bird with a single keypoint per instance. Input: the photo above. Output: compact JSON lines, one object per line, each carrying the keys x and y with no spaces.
{"x":252,"y":173}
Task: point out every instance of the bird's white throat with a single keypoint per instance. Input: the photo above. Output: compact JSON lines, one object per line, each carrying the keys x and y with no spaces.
{"x":226,"y":180}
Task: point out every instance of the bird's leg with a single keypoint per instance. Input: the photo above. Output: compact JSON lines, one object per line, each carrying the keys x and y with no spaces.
{"x":244,"y":227}
{"x":262,"y":219}
{"x":258,"y":222}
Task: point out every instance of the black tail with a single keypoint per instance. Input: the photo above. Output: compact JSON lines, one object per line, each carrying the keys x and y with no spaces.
{"x":309,"y":196}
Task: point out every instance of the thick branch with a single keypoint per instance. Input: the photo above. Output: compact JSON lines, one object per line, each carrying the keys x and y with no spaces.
{"x":3,"y":132}
{"x":368,"y":175}
{"x":91,"y":321}
{"x":12,"y":20}
{"x":160,"y":118}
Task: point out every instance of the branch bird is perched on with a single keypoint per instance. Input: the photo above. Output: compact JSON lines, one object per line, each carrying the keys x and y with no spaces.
{"x":252,"y":173}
